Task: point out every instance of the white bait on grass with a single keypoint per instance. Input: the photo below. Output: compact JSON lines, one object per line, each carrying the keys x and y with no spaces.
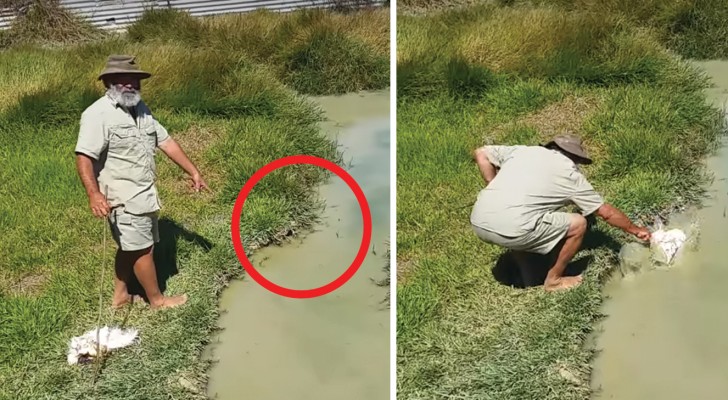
{"x":83,"y":348}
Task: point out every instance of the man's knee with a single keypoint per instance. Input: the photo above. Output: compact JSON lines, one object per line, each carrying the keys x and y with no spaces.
{"x":480,"y":155}
{"x":577,"y":226}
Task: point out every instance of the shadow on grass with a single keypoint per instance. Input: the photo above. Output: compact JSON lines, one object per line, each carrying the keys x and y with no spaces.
{"x":165,"y":253}
{"x":52,"y":106}
{"x":507,"y":272}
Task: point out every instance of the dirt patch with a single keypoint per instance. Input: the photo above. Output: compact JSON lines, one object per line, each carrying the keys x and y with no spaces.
{"x":29,"y":285}
{"x":566,"y":115}
{"x":422,"y":7}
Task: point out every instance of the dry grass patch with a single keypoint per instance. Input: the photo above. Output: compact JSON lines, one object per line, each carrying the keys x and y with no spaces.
{"x":405,"y":267}
{"x":513,"y":38}
{"x":568,"y":114}
{"x":554,"y":119}
{"x":28,"y":285}
{"x":48,"y":22}
{"x":371,"y":26}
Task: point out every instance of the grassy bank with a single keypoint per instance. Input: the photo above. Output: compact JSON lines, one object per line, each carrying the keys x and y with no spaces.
{"x":314,"y":52}
{"x":233,"y":112}
{"x":519,"y":76}
{"x":692,"y":28}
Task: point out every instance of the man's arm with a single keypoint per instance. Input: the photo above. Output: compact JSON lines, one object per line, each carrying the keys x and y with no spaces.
{"x":491,"y":158}
{"x":173,"y":150}
{"x":591,"y":202}
{"x":613,"y":216}
{"x":487,"y":170}
{"x":92,"y":141}
{"x":97,"y":200}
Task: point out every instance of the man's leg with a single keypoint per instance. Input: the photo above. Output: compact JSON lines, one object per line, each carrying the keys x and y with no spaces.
{"x":555,"y":279}
{"x":121,"y":277}
{"x":145,"y":271}
{"x":528,"y":270}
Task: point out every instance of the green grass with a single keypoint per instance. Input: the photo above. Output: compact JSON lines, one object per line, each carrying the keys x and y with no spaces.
{"x":487,"y":74}
{"x":692,"y":28}
{"x":232,"y":113}
{"x":314,"y":51}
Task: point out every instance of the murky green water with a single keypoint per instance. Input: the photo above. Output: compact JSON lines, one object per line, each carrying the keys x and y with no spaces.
{"x":335,"y":346}
{"x":666,"y":332}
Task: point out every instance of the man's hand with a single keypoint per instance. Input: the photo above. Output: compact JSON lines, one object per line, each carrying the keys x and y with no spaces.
{"x":96,"y":200}
{"x":98,"y":205}
{"x":198,"y":183}
{"x":642,"y":233}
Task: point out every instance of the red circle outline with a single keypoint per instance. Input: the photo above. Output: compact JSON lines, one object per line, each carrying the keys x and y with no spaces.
{"x":238,"y":210}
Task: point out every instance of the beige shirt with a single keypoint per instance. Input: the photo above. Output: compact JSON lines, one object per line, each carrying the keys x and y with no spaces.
{"x":124,"y":152}
{"x":531,"y":182}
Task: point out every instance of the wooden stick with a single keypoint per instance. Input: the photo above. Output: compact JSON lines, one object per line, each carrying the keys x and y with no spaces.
{"x":97,"y":363}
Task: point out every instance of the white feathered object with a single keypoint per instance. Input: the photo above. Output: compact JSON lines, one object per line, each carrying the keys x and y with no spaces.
{"x":667,"y":241}
{"x":84,"y":346}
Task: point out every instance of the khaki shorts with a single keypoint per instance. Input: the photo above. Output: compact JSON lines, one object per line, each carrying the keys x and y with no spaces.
{"x":134,"y":232}
{"x":552,"y":228}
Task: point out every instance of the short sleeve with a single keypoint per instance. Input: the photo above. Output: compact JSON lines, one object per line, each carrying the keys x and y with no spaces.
{"x":499,"y":155}
{"x":162,"y":133}
{"x":584,"y":195}
{"x":92,"y":137}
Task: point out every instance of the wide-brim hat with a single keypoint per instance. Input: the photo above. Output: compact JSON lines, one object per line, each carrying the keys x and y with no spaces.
{"x":571,"y":144}
{"x":123,"y":64}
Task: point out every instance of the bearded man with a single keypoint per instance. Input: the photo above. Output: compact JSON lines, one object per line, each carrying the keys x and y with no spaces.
{"x":117,"y":140}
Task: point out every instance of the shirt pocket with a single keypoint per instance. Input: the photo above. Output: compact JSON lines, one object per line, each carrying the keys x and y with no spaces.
{"x":123,"y":218}
{"x":122,"y":138}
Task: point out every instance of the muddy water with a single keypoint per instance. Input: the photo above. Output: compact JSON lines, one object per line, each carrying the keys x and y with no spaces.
{"x":666,"y":332}
{"x":335,"y":346}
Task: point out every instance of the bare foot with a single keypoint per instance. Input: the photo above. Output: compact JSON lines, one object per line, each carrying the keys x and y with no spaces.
{"x":171,"y":302}
{"x":563,"y":283}
{"x":118,"y":303}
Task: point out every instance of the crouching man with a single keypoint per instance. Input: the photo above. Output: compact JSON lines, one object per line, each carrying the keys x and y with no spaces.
{"x":526,"y":185}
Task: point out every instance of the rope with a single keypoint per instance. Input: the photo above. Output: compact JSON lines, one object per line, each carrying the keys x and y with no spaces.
{"x":102,"y":277}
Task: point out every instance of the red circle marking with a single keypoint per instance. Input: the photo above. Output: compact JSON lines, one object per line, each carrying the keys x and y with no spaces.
{"x":238,"y":210}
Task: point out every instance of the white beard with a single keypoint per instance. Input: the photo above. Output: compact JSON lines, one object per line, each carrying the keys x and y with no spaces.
{"x":125,"y":99}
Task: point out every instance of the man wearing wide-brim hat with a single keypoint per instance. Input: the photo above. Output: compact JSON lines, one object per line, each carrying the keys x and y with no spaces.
{"x":526,"y":186}
{"x":117,"y":140}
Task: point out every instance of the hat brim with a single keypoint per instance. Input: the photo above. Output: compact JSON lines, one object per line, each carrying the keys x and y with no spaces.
{"x":583,"y":158}
{"x":114,"y":71}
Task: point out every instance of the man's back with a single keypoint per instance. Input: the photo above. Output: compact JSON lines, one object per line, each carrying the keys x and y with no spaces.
{"x":532,"y":181}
